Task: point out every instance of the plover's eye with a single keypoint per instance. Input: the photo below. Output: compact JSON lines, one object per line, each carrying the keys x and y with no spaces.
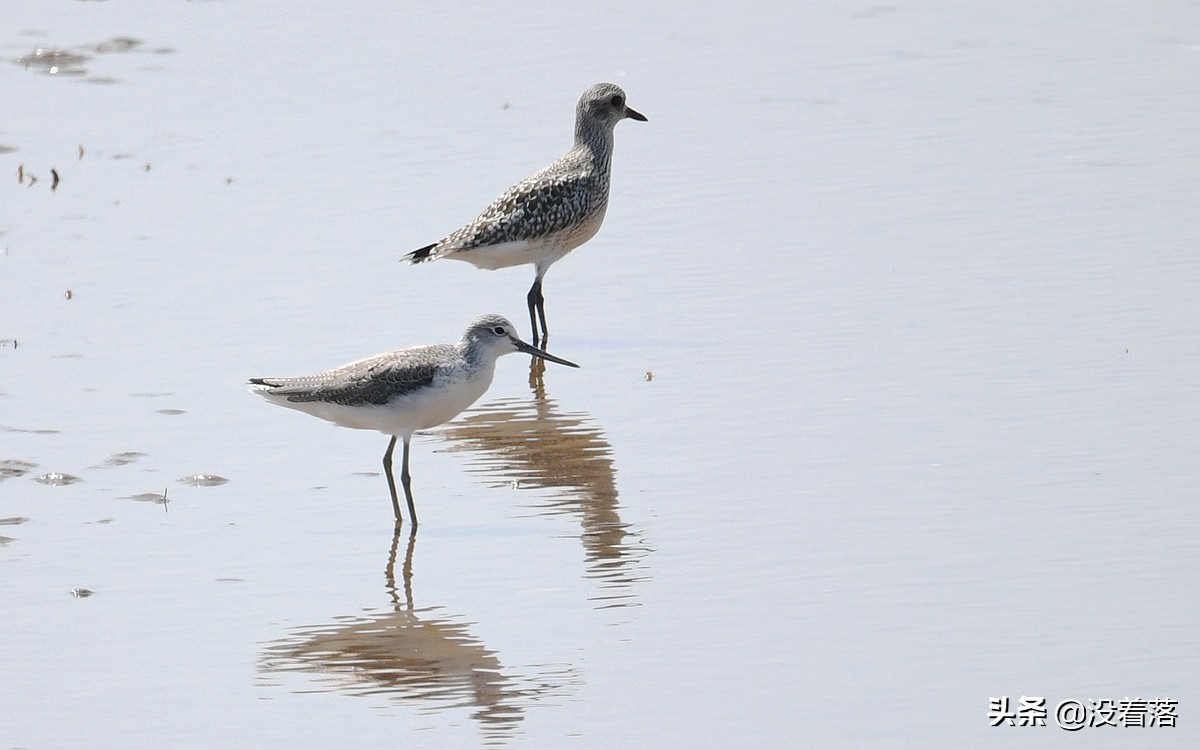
{"x":617,"y":101}
{"x":499,"y":330}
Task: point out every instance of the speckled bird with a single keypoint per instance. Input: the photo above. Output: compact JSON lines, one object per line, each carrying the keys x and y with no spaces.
{"x":551,"y":212}
{"x":406,"y":390}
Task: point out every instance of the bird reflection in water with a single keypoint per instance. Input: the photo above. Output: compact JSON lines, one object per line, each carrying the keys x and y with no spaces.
{"x":533,"y":444}
{"x":415,"y":655}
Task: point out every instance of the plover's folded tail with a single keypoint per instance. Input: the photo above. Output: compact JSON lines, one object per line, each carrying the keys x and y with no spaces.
{"x":421,"y":254}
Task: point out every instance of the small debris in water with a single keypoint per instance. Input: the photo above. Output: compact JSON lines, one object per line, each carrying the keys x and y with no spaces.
{"x":54,"y":179}
{"x":5,"y":540}
{"x":81,"y":152}
{"x":69,"y":294}
{"x":146,"y":166}
{"x":56,"y":479}
{"x":203,"y":480}
{"x":6,"y":428}
{"x":117,"y":44}
{"x":81,"y":593}
{"x":151,"y":497}
{"x":147,"y":497}
{"x":55,"y":61}
{"x":171,"y":412}
{"x":649,"y":376}
{"x":11,"y":467}
{"x":119,"y":459}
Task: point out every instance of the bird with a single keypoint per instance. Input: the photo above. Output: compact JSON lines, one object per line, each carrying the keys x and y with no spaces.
{"x":550,"y":213}
{"x":402,"y":391}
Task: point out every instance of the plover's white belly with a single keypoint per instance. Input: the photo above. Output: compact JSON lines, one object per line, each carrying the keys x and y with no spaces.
{"x":541,"y":251}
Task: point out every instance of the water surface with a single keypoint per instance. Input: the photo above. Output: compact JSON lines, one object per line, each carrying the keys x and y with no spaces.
{"x":887,"y":404}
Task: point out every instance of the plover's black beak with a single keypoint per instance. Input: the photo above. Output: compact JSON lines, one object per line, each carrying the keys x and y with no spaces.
{"x":633,"y":114}
{"x":528,"y":349}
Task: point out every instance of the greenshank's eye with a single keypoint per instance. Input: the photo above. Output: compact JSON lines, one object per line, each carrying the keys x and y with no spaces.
{"x":499,"y":330}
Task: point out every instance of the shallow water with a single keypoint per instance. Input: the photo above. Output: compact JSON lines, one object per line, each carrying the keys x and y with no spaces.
{"x":887,"y":404}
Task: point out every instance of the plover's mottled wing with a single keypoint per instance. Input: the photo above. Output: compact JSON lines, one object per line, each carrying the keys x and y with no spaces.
{"x":551,"y":201}
{"x":370,"y":381}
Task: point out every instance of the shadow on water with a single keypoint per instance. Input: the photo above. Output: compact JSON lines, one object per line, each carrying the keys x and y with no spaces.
{"x":416,"y":655}
{"x":532,"y":443}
